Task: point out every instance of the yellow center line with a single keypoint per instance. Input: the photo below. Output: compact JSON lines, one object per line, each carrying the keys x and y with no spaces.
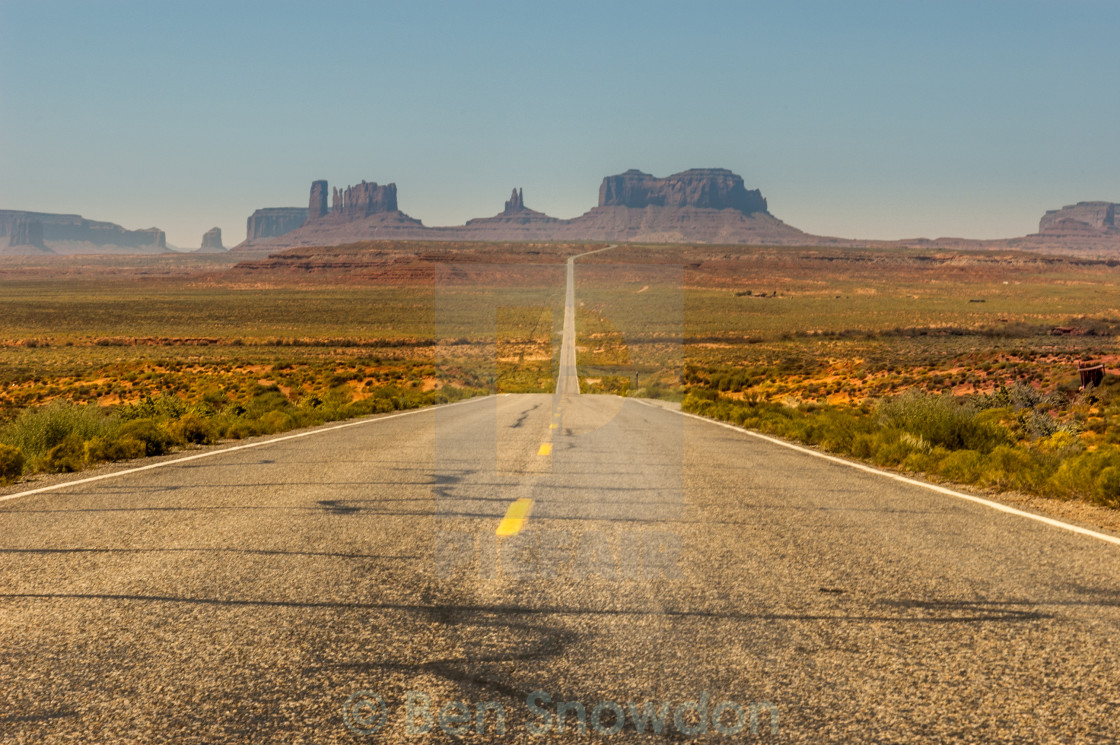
{"x":546,"y":449}
{"x":516,"y":517}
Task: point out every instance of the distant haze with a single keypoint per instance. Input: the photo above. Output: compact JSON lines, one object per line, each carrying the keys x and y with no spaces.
{"x":888,"y":119}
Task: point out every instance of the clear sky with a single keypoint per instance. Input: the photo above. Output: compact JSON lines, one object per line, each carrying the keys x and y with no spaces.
{"x":874,"y":119}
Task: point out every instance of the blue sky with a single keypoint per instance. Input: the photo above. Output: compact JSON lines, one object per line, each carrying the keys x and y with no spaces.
{"x":884,"y":119}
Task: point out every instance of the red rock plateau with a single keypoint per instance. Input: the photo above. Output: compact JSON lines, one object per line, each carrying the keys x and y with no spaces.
{"x":696,"y":206}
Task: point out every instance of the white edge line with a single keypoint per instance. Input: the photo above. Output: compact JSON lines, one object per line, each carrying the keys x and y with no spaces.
{"x":913,"y":482}
{"x":211,"y":453}
{"x":571,"y":266}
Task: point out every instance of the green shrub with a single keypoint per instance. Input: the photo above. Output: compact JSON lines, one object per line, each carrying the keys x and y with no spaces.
{"x":1016,"y":397}
{"x":891,"y":449}
{"x":156,"y":440}
{"x":1010,"y":468}
{"x":215,"y":399}
{"x":193,"y":429}
{"x":862,"y":446}
{"x":114,"y":448}
{"x":11,"y":463}
{"x":66,"y":457}
{"x":923,"y":461}
{"x":276,"y":421}
{"x":1062,"y":443}
{"x":962,"y":466}
{"x":160,"y":408}
{"x":242,"y":428}
{"x":264,"y":400}
{"x":942,"y":420}
{"x":1107,"y":487}
{"x":1078,"y":475}
{"x":37,"y":431}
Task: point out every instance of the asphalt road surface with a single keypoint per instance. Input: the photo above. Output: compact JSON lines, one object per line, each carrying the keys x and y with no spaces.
{"x":525,"y":557}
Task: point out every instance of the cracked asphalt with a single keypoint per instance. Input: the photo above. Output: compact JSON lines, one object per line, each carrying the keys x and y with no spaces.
{"x":248,"y":596}
{"x":657,"y":579}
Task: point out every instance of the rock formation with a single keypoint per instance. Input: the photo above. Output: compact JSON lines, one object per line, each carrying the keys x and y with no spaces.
{"x":355,"y":212}
{"x":515,"y":218}
{"x":516,"y":202}
{"x":702,"y":206}
{"x":75,"y":234}
{"x":1087,"y":229}
{"x":317,"y":205}
{"x":705,"y":188}
{"x":270,"y":222}
{"x":363,"y":200}
{"x":1083,"y":217}
{"x":212,"y":240}
{"x":27,"y":232}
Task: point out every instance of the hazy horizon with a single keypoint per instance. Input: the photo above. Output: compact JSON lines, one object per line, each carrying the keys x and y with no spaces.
{"x":871,"y":120}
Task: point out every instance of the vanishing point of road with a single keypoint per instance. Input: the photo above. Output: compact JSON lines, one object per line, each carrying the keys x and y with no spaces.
{"x":570,"y":567}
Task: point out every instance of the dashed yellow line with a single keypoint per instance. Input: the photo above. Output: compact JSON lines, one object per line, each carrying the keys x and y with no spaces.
{"x":516,"y":517}
{"x":546,"y":449}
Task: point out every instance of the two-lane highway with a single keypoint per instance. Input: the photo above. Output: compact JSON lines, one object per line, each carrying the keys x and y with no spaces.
{"x":675,"y":578}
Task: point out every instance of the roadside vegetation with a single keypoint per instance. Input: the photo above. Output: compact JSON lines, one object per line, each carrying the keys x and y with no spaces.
{"x":1014,"y":438}
{"x":95,"y":372}
{"x":62,"y":436}
{"x":959,"y":367}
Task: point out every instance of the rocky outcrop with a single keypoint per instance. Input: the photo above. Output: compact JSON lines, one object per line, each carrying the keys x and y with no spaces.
{"x":317,"y":205}
{"x":212,"y":240}
{"x":270,"y":222}
{"x":1085,"y":229}
{"x":25,"y":236}
{"x":75,"y":234}
{"x":515,"y":218}
{"x":516,"y":202}
{"x":363,"y":200}
{"x":356,"y":213}
{"x":704,"y":188}
{"x":687,"y":225}
{"x":1080,"y":218}
{"x":27,"y":232}
{"x":702,"y":206}
{"x":336,"y":232}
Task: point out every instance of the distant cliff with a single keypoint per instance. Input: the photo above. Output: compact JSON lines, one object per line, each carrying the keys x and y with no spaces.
{"x":705,"y":205}
{"x":1083,"y":217}
{"x":352,"y":203}
{"x":704,"y":188}
{"x":60,"y":233}
{"x":270,"y":222}
{"x":212,"y":241}
{"x":317,"y":204}
{"x":1089,"y":229}
{"x":26,"y":236}
{"x":361,"y":200}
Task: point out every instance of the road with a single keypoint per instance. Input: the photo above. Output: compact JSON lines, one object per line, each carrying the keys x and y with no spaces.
{"x":567,"y":383}
{"x":287,"y":592}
